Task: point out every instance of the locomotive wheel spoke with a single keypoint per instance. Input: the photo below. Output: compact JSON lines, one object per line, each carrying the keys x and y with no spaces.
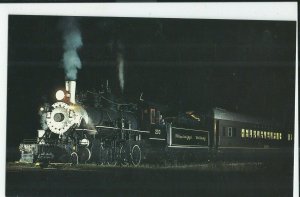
{"x":123,"y":156}
{"x":111,"y":157}
{"x":102,"y":157}
{"x":106,"y":156}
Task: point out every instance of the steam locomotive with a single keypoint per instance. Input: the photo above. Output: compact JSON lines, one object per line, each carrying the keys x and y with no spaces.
{"x":110,"y":132}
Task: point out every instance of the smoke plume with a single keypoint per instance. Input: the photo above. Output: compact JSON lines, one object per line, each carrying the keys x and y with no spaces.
{"x":72,"y":42}
{"x":120,"y":62}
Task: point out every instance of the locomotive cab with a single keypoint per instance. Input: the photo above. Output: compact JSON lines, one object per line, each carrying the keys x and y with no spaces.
{"x":152,"y":120}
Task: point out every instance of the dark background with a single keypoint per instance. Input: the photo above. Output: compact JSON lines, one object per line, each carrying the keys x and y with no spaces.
{"x":185,"y":64}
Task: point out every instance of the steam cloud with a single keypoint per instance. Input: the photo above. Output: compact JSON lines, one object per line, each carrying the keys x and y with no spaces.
{"x":117,"y":47}
{"x":120,"y":61}
{"x":43,"y":116}
{"x":43,"y":120}
{"x":72,"y":42}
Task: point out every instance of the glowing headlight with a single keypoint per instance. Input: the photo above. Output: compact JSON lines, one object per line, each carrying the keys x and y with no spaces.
{"x":60,"y":95}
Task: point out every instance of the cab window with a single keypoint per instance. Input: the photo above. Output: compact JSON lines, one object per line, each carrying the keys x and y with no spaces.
{"x":152,"y":116}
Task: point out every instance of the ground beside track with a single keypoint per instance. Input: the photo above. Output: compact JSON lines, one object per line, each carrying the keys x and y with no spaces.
{"x":206,"y":179}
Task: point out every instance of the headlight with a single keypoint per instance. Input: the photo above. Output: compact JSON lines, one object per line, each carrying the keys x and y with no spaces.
{"x":60,"y":95}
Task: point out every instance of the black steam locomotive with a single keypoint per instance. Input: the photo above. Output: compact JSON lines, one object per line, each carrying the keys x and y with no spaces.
{"x":110,"y":132}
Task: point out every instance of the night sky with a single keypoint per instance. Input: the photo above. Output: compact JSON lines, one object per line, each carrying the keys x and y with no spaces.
{"x":185,"y":64}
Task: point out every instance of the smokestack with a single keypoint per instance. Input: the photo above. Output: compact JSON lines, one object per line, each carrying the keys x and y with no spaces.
{"x":71,"y":90}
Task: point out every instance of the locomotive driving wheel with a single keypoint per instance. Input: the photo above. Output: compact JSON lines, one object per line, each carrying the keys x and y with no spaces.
{"x":84,"y":154}
{"x":136,"y":155}
{"x":74,"y":158}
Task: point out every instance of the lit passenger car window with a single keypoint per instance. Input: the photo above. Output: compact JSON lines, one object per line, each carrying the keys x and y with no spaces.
{"x":290,"y":137}
{"x":229,"y":131}
{"x":280,"y":136}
